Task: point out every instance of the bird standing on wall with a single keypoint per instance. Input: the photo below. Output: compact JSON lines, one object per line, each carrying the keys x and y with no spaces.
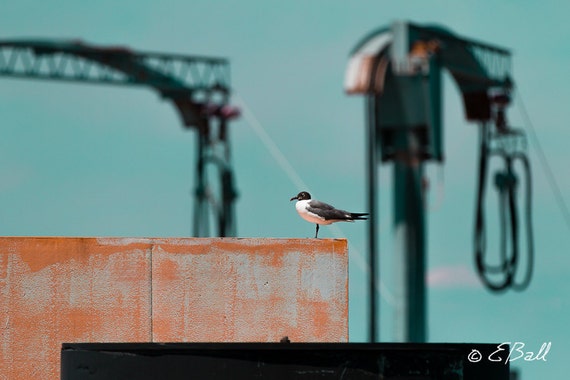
{"x":314,"y":211}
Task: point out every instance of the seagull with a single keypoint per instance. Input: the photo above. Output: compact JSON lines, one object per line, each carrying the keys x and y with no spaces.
{"x":314,"y":211}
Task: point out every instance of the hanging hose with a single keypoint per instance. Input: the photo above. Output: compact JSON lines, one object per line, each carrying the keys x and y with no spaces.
{"x":506,"y":184}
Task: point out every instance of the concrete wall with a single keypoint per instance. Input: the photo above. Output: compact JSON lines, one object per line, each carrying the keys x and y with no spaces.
{"x":55,"y":290}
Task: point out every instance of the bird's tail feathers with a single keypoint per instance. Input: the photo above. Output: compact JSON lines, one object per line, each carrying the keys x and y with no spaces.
{"x":359,"y":215}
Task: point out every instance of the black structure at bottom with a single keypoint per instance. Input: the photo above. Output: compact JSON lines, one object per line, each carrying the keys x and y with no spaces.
{"x":213,"y":361}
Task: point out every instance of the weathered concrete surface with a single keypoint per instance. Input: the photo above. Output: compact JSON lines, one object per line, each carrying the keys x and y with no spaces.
{"x":250,"y":290}
{"x":55,"y":290}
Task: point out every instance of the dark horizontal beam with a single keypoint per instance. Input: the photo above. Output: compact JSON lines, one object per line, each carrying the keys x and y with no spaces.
{"x":173,"y":361}
{"x":170,"y":74}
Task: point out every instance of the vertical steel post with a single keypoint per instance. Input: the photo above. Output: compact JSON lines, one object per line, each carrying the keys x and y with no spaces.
{"x":409,"y":224}
{"x":201,"y":217}
{"x":372,"y":172}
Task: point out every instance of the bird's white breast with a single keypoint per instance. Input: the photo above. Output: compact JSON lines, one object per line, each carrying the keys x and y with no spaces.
{"x":301,"y":207}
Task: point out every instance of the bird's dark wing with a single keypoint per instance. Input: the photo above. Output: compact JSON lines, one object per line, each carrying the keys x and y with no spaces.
{"x":320,"y":205}
{"x":327,"y":211}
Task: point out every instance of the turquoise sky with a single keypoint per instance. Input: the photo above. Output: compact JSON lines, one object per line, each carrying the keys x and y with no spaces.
{"x":80,"y":160}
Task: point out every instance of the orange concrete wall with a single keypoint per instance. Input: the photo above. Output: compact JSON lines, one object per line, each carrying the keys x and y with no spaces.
{"x":55,"y":290}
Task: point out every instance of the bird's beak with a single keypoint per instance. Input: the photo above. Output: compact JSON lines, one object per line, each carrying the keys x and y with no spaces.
{"x":292,"y":199}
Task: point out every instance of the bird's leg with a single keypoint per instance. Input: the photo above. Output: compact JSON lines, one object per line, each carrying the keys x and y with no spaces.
{"x":317,"y":232}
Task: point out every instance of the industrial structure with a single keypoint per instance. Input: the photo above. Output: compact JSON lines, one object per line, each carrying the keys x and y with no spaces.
{"x":198,"y":87}
{"x":399,"y":69}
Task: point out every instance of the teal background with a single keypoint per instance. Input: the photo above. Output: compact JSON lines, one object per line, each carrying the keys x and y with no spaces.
{"x":79,"y":160}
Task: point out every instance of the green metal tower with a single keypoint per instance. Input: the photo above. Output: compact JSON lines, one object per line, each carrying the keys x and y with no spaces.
{"x":399,"y":69}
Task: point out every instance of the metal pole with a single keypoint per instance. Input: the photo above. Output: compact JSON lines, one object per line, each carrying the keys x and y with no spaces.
{"x":409,"y":223}
{"x":201,"y":227}
{"x":372,"y":241}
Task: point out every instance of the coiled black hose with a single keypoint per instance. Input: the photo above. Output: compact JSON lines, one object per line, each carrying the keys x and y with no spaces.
{"x":506,"y":186}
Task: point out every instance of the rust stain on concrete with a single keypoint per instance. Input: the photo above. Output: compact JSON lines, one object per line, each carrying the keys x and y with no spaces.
{"x":55,"y":290}
{"x":68,"y":289}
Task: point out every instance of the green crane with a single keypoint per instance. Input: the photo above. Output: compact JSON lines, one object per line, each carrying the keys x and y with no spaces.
{"x":398,"y":69}
{"x":198,"y":87}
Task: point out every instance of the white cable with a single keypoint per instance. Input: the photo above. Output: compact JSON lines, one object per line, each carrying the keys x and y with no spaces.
{"x":271,"y":146}
{"x":546,"y":168}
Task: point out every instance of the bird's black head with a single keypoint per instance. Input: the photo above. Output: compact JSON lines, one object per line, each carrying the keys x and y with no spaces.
{"x":301,"y":196}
